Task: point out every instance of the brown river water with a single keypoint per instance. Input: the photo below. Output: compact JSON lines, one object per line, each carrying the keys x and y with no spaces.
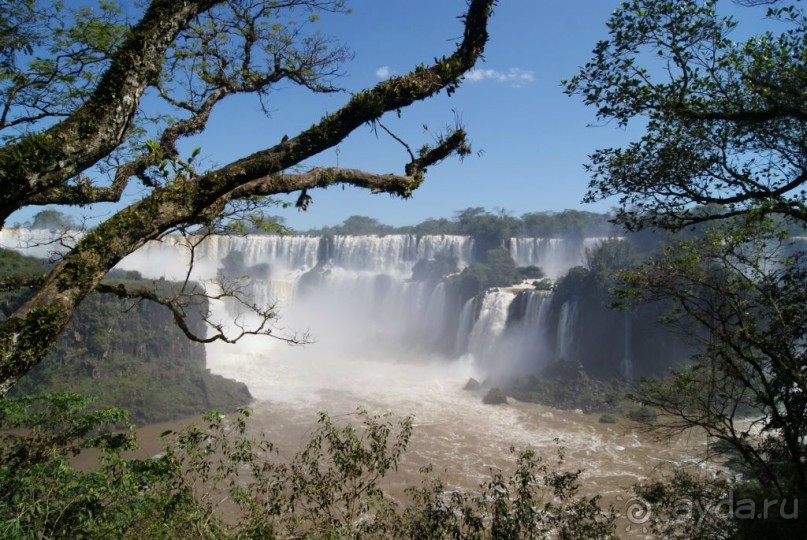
{"x":453,"y":430}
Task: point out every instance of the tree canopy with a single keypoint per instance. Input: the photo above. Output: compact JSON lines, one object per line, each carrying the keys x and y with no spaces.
{"x":723,"y":148}
{"x":725,"y":119}
{"x":77,"y":131}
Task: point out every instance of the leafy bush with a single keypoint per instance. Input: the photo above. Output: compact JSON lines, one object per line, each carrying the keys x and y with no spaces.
{"x":642,"y":414}
{"x":43,"y":496}
{"x":687,"y":505}
{"x":330,"y":489}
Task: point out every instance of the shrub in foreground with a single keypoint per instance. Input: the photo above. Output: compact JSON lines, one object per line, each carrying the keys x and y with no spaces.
{"x":207,"y":475}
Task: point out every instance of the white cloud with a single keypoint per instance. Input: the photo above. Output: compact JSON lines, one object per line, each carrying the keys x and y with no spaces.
{"x":383,"y":72}
{"x":513,"y":75}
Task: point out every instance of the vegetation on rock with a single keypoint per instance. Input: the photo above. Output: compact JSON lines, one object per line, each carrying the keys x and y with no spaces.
{"x":115,"y":351}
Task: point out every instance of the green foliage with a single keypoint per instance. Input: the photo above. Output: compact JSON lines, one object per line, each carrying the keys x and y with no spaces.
{"x":724,"y":119}
{"x":115,"y":352}
{"x":723,"y":139}
{"x":497,"y":270}
{"x":489,"y":230}
{"x":606,"y":260}
{"x":52,"y":220}
{"x":234,"y":268}
{"x":500,"y":267}
{"x":258,"y":223}
{"x":331,"y":488}
{"x":14,"y":265}
{"x":687,"y":505}
{"x":433,"y":270}
{"x":16,"y":29}
{"x":359,"y":225}
{"x":233,"y":265}
{"x":682,"y":506}
{"x":594,"y":291}
{"x":740,"y":293}
{"x":530,"y":272}
{"x":470,"y":282}
{"x":43,"y":496}
{"x":52,"y":57}
{"x":565,"y":224}
{"x":536,"y":501}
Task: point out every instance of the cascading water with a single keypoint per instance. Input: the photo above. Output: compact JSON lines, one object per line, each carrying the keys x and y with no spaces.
{"x":466,"y":324}
{"x":490,"y":324}
{"x":566,"y":325}
{"x":523,"y":347}
{"x":39,"y":243}
{"x":372,"y":329}
{"x":626,"y":366}
{"x":434,"y":320}
{"x":553,"y":255}
{"x":396,"y":254}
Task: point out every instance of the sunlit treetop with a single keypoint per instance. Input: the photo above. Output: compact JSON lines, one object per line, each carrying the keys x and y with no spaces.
{"x":725,"y":120}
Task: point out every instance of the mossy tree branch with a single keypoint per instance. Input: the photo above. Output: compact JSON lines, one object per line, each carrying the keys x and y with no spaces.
{"x":47,"y":159}
{"x":197,"y":199}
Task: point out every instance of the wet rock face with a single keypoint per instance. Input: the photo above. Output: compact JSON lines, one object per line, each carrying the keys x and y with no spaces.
{"x":472,"y":384}
{"x":494,"y":397}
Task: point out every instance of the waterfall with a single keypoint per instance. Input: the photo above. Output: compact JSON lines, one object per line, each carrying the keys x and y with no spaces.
{"x":534,"y":345}
{"x":555,"y":256}
{"x":490,"y":324}
{"x":356,"y":293}
{"x":566,"y":326}
{"x":522,"y":348}
{"x":466,"y":323}
{"x":40,"y":243}
{"x":434,"y":320}
{"x":396,"y":254}
{"x":626,"y":366}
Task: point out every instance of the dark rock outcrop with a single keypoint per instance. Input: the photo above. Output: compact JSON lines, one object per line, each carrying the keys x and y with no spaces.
{"x":133,"y":357}
{"x":495,"y":396}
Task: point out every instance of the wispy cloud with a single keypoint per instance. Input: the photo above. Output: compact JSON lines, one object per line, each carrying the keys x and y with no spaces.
{"x":512,"y":75}
{"x":383,"y":72}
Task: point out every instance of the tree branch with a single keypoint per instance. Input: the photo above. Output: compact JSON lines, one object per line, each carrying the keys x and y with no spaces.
{"x":178,"y":304}
{"x":42,"y":161}
{"x":26,"y":335}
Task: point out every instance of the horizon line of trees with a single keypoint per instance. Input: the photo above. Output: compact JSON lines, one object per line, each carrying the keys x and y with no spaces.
{"x":470,"y":221}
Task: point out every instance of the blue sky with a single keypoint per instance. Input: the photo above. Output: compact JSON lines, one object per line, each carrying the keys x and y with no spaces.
{"x":533,"y":138}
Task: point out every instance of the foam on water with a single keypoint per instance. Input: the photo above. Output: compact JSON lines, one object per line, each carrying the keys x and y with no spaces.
{"x":454,"y":430}
{"x":370,"y":325}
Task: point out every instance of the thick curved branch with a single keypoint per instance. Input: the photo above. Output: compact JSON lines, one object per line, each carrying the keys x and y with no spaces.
{"x":84,"y":192}
{"x":16,"y":283}
{"x":321,"y":177}
{"x":44,"y":160}
{"x":26,"y":336}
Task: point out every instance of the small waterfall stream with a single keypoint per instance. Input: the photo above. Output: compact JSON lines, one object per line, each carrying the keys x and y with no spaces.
{"x":566,"y":325}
